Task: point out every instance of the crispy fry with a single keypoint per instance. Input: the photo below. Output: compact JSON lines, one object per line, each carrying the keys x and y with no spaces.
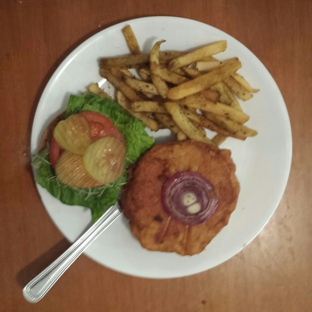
{"x":159,"y":83}
{"x":148,"y":107}
{"x":167,"y":75}
{"x":181,"y":136}
{"x":204,"y":81}
{"x":211,"y":95}
{"x":136,"y":60}
{"x":126,"y":72}
{"x":95,"y":89}
{"x":165,"y":57}
{"x":117,"y":72}
{"x":145,"y":74}
{"x":192,"y":72}
{"x":125,"y":104}
{"x":230,"y":125}
{"x":237,"y":88}
{"x":244,"y":83}
{"x":131,"y":40}
{"x":179,"y":71}
{"x":218,"y":139}
{"x":185,"y":124}
{"x":198,"y":54}
{"x":206,"y":123}
{"x":200,"y":97}
{"x":167,"y":121}
{"x":120,"y":85}
{"x":216,"y":108}
{"x":208,"y":65}
{"x":226,"y":96}
{"x":141,"y":86}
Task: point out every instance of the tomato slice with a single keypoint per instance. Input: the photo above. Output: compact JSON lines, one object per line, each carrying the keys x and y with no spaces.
{"x":55,"y":152}
{"x":100,"y":125}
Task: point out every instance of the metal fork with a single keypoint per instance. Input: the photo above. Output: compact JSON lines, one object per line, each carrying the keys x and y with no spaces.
{"x":38,"y":287}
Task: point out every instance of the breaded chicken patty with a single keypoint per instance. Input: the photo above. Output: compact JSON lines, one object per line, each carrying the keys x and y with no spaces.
{"x":141,"y":198}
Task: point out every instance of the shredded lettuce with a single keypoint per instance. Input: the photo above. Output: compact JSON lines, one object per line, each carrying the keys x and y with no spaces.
{"x":97,"y":199}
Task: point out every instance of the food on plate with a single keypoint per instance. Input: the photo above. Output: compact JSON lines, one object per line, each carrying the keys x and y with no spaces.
{"x":85,"y":152}
{"x":195,"y":80}
{"x":131,"y":40}
{"x":180,"y":195}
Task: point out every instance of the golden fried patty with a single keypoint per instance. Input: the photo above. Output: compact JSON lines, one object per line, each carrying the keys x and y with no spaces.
{"x":141,"y":198}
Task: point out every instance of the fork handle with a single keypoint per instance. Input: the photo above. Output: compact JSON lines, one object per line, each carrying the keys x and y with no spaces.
{"x":37,"y":288}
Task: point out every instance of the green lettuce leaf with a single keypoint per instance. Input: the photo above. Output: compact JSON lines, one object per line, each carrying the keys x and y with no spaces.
{"x":97,"y":199}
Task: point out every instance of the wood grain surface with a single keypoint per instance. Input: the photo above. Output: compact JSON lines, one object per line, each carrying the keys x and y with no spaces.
{"x":273,"y":273}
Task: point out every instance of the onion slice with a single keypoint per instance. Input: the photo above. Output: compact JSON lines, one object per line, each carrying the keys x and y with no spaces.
{"x":189,"y":197}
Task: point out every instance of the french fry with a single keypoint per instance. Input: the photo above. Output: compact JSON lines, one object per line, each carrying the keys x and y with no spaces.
{"x":179,"y":71}
{"x":181,"y":136}
{"x":126,"y":72}
{"x":125,"y":104}
{"x":145,"y":74}
{"x":185,"y":124}
{"x":204,"y":81}
{"x":131,"y":40}
{"x":120,"y":85}
{"x":237,"y":88}
{"x":141,"y":86}
{"x":211,"y":95}
{"x":204,"y":96}
{"x":218,"y":108}
{"x":166,"y":74}
{"x":200,"y":97}
{"x":244,"y":83}
{"x":218,"y":139}
{"x":167,"y":121}
{"x":148,"y":107}
{"x":95,"y":89}
{"x":159,"y":83}
{"x":165,"y":57}
{"x":136,"y":60}
{"x":117,"y":72}
{"x":192,"y":72}
{"x":205,"y":66}
{"x":230,"y":125}
{"x":206,"y":123}
{"x":226,"y":96}
{"x":198,"y":54}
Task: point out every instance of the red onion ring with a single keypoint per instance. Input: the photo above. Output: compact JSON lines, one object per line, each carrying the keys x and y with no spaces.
{"x":189,"y":197}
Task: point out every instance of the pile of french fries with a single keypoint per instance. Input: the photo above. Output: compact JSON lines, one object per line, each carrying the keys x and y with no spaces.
{"x":184,"y":92}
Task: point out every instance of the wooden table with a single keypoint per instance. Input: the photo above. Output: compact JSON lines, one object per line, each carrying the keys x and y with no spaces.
{"x":273,"y":273}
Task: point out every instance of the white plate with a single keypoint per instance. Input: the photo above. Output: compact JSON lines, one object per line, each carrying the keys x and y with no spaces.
{"x":263,"y":162}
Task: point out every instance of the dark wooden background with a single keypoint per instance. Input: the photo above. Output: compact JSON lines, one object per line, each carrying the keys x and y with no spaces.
{"x":272,"y":274}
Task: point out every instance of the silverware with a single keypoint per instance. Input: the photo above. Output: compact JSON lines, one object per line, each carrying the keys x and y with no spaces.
{"x":38,"y":287}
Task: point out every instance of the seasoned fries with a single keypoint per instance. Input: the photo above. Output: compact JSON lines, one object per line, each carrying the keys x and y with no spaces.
{"x":120,"y":85}
{"x":187,"y":93}
{"x":167,"y":75}
{"x":95,"y":89}
{"x":238,"y":89}
{"x":125,"y":104}
{"x":136,"y":60}
{"x":131,"y":40}
{"x":141,"y":86}
{"x":185,"y":124}
{"x":198,"y":55}
{"x":159,"y":83}
{"x":204,"y":81}
{"x":148,"y":106}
